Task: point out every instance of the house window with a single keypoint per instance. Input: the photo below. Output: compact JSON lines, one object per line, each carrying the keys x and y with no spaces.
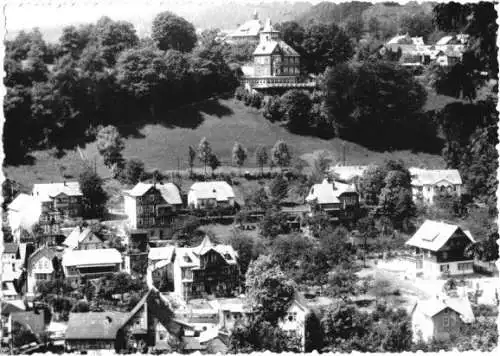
{"x":465,"y":266}
{"x":444,"y":268}
{"x":292,"y":316}
{"x":446,"y":321}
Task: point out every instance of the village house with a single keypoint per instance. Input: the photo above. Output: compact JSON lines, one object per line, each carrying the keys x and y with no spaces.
{"x":347,"y":173}
{"x":233,"y":311}
{"x":339,"y":200}
{"x":205,"y":270}
{"x":11,"y":258}
{"x":275,"y":66}
{"x":152,"y":206}
{"x":439,"y":317}
{"x":91,"y":263}
{"x":439,"y":250}
{"x":247,"y":32}
{"x":93,"y":330}
{"x":58,"y":202}
{"x":152,"y":324}
{"x":160,"y":273}
{"x":213,"y":194}
{"x":39,"y":268}
{"x":83,"y":239}
{"x":427,"y":184}
{"x":22,"y":214}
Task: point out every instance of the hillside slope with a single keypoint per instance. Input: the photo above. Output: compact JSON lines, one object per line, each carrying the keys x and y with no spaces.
{"x":222,"y":122}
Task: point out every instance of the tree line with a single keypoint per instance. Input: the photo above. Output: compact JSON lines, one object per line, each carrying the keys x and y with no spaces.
{"x":101,"y":74}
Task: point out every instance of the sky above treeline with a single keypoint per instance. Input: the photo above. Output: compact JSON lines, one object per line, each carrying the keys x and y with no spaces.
{"x":55,"y":14}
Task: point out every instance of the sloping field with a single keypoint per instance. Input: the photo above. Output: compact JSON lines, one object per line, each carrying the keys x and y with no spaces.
{"x":222,"y":122}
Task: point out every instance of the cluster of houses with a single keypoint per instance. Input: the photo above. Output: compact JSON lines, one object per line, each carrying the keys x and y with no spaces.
{"x":447,"y":51}
{"x":194,"y":293}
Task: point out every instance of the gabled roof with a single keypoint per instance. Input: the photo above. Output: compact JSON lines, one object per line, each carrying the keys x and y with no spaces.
{"x":78,"y":235}
{"x":10,"y":247}
{"x":12,"y":306}
{"x":400,"y":39}
{"x":436,"y":305}
{"x":433,"y":235}
{"x":219,"y":190}
{"x":348,"y":172}
{"x":270,"y":46}
{"x":161,"y":253}
{"x":91,"y":257}
{"x":329,"y":193}
{"x":168,"y":191}
{"x":94,"y":325}
{"x":47,"y":191}
{"x":434,"y":176}
{"x":227,"y":252}
{"x":34,"y":321}
{"x":51,"y":254}
{"x":250,"y":28}
{"x":187,"y":257}
{"x":21,"y":202}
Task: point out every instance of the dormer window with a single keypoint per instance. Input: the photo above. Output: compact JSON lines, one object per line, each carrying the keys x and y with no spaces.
{"x":227,"y":256}
{"x":187,"y":259}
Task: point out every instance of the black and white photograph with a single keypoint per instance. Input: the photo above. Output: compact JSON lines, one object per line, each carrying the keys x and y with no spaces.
{"x":240,"y":176}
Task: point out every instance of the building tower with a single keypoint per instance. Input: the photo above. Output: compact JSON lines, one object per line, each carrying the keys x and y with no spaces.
{"x":268,"y":33}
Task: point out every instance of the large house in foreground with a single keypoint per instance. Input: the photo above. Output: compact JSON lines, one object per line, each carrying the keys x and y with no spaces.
{"x":439,"y":250}
{"x":438,"y":318}
{"x":427,"y":184}
{"x":39,"y":268}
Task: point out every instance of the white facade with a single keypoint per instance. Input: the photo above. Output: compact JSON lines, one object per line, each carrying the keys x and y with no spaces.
{"x":434,"y":270}
{"x":40,"y":270}
{"x":210,"y":194}
{"x":294,"y":322}
{"x":428,"y":183}
{"x":130,"y":206}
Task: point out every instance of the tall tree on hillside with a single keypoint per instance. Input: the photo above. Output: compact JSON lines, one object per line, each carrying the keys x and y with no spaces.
{"x":140,"y":72}
{"x":292,"y":33}
{"x":325,"y":45}
{"x":239,"y":155}
{"x":214,"y":162}
{"x":269,"y":291}
{"x":110,"y":146}
{"x":113,"y":37}
{"x":396,"y":200}
{"x":261,"y":157}
{"x":296,"y":105}
{"x":73,"y":40}
{"x":191,"y":157}
{"x":173,"y":32}
{"x":280,"y":154}
{"x":94,"y":196}
{"x":204,"y":152}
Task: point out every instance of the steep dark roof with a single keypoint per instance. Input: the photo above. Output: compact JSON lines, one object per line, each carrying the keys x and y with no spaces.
{"x":93,"y":325}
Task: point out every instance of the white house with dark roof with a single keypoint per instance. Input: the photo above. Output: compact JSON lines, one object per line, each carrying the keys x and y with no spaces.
{"x":439,"y":250}
{"x":203,"y":195}
{"x":91,"y":263}
{"x":429,"y":183}
{"x":151,"y":206}
{"x":160,"y":270}
{"x":437,"y":318}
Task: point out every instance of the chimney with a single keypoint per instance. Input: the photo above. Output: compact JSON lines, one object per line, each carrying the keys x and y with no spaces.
{"x":64,"y":182}
{"x":108,"y":319}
